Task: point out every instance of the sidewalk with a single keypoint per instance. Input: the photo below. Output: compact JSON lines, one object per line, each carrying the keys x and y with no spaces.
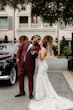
{"x":59,"y":68}
{"x":60,"y":65}
{"x":55,"y":63}
{"x":62,"y":82}
{"x":69,"y":78}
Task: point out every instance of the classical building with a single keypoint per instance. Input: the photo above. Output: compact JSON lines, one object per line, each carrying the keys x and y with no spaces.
{"x":21,"y":25}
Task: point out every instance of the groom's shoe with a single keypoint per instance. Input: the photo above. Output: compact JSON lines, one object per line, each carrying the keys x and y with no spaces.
{"x":19,"y":95}
{"x":30,"y":96}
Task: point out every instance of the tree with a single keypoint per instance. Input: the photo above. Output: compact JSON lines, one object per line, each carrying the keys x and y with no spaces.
{"x":63,"y":44}
{"x":3,"y":2}
{"x":68,"y":12}
{"x":13,"y":4}
{"x":53,"y":11}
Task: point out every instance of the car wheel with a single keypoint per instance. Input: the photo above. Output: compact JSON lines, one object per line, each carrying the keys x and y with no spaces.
{"x":13,"y":76}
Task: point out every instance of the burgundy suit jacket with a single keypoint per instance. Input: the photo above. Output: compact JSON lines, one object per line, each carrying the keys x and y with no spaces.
{"x":29,"y":64}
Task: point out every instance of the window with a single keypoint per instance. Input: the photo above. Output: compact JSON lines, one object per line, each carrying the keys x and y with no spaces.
{"x":3,"y":20}
{"x":23,"y":19}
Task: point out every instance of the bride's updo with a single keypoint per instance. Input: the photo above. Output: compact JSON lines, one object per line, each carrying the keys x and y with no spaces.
{"x":44,"y":43}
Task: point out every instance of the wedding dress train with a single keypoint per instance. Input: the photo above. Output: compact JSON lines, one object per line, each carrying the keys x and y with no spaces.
{"x":46,"y":97}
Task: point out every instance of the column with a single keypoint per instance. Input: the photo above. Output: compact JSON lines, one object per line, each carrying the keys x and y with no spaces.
{"x":58,"y":39}
{"x":39,"y":21}
{"x":29,"y":22}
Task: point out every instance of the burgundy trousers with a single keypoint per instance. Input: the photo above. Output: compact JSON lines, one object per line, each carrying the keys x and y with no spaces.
{"x":21,"y":73}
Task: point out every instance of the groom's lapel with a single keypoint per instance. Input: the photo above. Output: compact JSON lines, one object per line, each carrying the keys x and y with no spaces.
{"x":26,"y":51}
{"x":28,"y":46}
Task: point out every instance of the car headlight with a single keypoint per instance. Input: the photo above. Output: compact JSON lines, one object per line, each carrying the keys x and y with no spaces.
{"x":1,"y":64}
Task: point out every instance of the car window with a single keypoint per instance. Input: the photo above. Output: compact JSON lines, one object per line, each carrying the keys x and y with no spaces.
{"x":10,"y":48}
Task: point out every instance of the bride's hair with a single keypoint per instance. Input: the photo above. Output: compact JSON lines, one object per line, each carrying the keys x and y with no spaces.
{"x":45,"y":43}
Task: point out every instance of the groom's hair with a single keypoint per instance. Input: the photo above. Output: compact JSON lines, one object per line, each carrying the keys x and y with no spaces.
{"x":35,"y":36}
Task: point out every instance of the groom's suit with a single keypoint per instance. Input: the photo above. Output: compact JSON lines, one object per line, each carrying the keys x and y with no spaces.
{"x":26,"y":67}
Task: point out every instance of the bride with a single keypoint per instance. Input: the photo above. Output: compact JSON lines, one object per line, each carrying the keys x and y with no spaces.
{"x":46,"y":97}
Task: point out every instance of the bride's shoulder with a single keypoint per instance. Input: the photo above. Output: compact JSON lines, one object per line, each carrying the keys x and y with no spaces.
{"x":44,"y":50}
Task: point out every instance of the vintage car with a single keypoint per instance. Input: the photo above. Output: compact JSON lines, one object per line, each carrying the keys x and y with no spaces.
{"x":8,"y":66}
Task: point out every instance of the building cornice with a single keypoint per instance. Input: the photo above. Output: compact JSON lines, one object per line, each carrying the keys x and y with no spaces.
{"x":36,"y":30}
{"x":23,"y":14}
{"x":4,"y":14}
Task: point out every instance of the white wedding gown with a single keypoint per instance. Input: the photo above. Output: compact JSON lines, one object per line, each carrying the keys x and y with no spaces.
{"x":46,"y":97}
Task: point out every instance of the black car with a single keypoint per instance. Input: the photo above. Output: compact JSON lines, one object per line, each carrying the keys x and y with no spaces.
{"x":8,"y":66}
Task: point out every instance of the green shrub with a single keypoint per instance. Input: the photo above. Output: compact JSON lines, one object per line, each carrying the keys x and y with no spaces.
{"x":54,"y":47}
{"x":66,"y":51}
{"x":63,"y":43}
{"x":61,"y":56}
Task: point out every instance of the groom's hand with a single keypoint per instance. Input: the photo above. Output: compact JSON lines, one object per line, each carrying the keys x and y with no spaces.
{"x":32,"y":48}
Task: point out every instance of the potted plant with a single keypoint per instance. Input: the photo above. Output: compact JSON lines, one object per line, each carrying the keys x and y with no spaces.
{"x":6,"y":39}
{"x":55,"y":49}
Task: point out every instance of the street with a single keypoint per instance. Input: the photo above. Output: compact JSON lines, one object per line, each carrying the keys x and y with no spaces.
{"x":59,"y":82}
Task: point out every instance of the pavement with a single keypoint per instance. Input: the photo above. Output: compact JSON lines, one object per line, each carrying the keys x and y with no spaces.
{"x":58,"y":74}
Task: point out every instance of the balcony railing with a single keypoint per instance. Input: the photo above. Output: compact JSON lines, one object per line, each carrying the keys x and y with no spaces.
{"x":47,"y":25}
{"x":36,"y":26}
{"x":23,"y":26}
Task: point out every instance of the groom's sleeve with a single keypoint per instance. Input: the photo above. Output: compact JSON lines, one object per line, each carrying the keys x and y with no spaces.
{"x":19,"y":51}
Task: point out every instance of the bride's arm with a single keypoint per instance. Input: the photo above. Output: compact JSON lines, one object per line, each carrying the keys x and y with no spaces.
{"x":43,"y":53}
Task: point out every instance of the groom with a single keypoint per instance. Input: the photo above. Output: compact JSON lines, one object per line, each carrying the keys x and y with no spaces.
{"x":25,"y":59}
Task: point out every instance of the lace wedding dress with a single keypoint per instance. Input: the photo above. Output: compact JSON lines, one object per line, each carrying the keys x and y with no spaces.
{"x":46,"y":97}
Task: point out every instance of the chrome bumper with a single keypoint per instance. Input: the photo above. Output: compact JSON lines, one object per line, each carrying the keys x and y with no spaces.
{"x":4,"y":77}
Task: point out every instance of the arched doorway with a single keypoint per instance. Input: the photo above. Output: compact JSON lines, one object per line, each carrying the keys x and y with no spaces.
{"x":22,"y":38}
{"x":49,"y":40}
